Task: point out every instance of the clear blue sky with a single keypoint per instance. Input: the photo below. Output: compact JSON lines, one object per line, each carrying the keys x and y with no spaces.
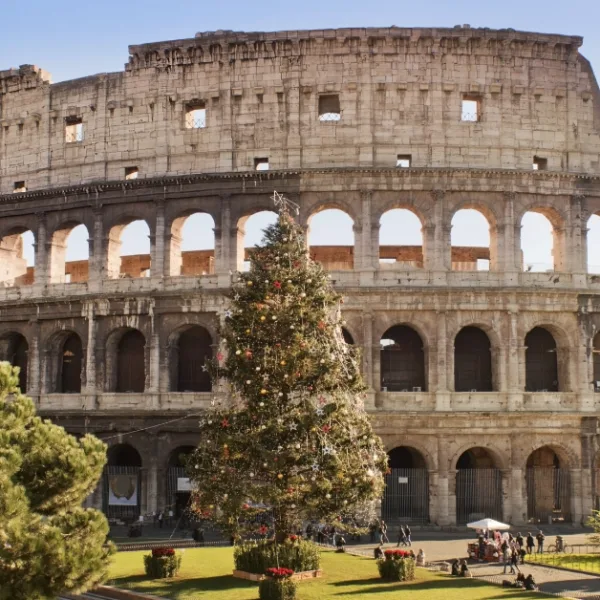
{"x":75,"y":39}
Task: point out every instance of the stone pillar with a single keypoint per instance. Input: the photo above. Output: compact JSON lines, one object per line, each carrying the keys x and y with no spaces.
{"x":225,"y":260}
{"x":510,"y":260}
{"x":446,"y":515}
{"x":152,"y":488}
{"x":519,"y":507}
{"x":370,"y":359}
{"x":366,"y":248}
{"x":560,"y":248}
{"x":173,"y":259}
{"x":576,"y":497}
{"x":442,"y":393}
{"x":154,"y":366}
{"x":514,"y":385}
{"x":577,"y":247}
{"x":499,"y":367}
{"x":41,"y":251}
{"x":442,"y":252}
{"x":98,"y":252}
{"x":33,"y":361}
{"x":56,"y":261}
{"x":90,"y":359}
{"x":506,"y":475}
{"x":157,"y":242}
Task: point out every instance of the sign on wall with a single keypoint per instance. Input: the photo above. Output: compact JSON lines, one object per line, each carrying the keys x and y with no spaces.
{"x":184,"y":484}
{"x":122,"y":490}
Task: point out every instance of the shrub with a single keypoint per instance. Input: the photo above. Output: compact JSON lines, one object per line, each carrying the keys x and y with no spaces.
{"x":257,"y":557}
{"x":277,"y":585}
{"x":398,"y":565}
{"x":162,"y":563}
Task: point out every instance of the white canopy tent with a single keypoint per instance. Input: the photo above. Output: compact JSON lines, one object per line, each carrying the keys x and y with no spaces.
{"x":489,"y":524}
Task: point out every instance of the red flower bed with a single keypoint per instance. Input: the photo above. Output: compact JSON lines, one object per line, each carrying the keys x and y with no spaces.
{"x":279,"y":573}
{"x":292,"y":538}
{"x":158,"y":552}
{"x":396,"y":554}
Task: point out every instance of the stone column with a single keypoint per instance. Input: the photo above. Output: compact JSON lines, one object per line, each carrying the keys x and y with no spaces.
{"x":445,"y":515}
{"x":33,"y":361}
{"x":576,"y":497}
{"x":90,"y":360}
{"x":513,"y":368}
{"x":518,"y":501}
{"x":441,"y":248}
{"x":506,"y":475}
{"x":224,"y":261}
{"x":98,"y":249}
{"x":152,"y":488}
{"x":367,"y":248}
{"x":173,"y":259}
{"x":560,"y":258}
{"x":370,"y":361}
{"x":41,"y":251}
{"x":442,"y":388}
{"x":510,"y":261}
{"x":577,"y":247}
{"x":157,"y":242}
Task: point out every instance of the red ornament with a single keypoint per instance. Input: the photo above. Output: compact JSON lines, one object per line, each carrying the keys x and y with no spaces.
{"x":248,"y":354}
{"x":224,"y":423}
{"x":219,"y":356}
{"x":326,"y":428}
{"x":277,"y":285}
{"x":245,"y":506}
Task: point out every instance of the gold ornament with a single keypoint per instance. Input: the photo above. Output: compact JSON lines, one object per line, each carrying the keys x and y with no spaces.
{"x":263,"y":391}
{"x":279,"y":476}
{"x":282,"y":363}
{"x":249,"y":283}
{"x":263,"y":318}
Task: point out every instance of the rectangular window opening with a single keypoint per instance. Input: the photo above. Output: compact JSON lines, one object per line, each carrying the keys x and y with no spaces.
{"x":19,"y":187}
{"x":329,"y":108}
{"x":195,"y":115}
{"x":73,"y":129}
{"x":539,"y":163}
{"x":470,"y":109}
{"x":131,"y":172}
{"x":261,"y":164}
{"x":403,"y":160}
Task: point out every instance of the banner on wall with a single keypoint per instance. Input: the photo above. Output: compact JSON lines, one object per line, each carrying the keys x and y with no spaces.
{"x":122,"y":490}
{"x":184,"y":484}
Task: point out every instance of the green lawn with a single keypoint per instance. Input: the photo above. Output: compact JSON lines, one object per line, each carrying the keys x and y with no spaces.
{"x":575,"y":562}
{"x":206,"y":574}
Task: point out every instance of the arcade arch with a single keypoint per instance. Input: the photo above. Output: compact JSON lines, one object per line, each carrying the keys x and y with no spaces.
{"x":478,"y":486}
{"x":401,"y":239}
{"x":128,"y":252}
{"x":548,"y":487}
{"x":472,"y":361}
{"x":178,"y":488}
{"x":539,"y":242}
{"x":65,"y":363}
{"x":17,"y":254}
{"x":130,"y":355}
{"x":541,"y":361}
{"x":593,"y":244}
{"x":596,"y":358}
{"x":330,"y":238}
{"x":472,"y":241}
{"x":15,"y":349}
{"x":192,"y":247}
{"x":402,"y":359}
{"x":122,"y":482}
{"x":188,"y":357}
{"x":69,"y":254}
{"x":406,"y":496}
{"x":250,"y":234}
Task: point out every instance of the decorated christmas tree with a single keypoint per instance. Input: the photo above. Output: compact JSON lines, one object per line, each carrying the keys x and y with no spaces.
{"x":294,"y":441}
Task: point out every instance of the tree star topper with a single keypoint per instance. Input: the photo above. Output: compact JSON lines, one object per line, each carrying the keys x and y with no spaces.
{"x":282,"y":203}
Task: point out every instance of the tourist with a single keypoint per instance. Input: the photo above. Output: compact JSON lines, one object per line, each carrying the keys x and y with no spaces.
{"x":530,"y":543}
{"x":421,"y":558}
{"x":401,"y":537}
{"x":514,"y":562}
{"x":455,"y":568}
{"x":506,"y":555}
{"x":407,"y":533}
{"x":540,"y":537}
{"x":530,"y":584}
{"x":378,"y":551}
{"x":519,"y":539}
{"x":170,"y":516}
{"x":383,"y":538}
{"x":161,"y":517}
{"x":464,"y":570}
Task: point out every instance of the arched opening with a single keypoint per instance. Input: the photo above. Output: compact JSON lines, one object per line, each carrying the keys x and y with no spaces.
{"x":129,"y":250}
{"x":69,"y":255}
{"x":330,"y":239}
{"x":347,"y":336}
{"x":596,"y":358}
{"x":593,"y":244}
{"x":470,"y":241}
{"x":178,"y":483}
{"x":71,"y":365}
{"x":131,"y":371}
{"x":17,"y":254}
{"x":537,"y":243}
{"x":406,"y":497}
{"x":15,"y":349}
{"x":250,"y":235}
{"x":541,"y":362}
{"x":472,"y":361}
{"x":192,"y":248}
{"x":401,"y":239}
{"x":478,"y":486}
{"x":122,"y":489}
{"x":548,"y":487}
{"x":194,"y":348}
{"x":402,"y":360}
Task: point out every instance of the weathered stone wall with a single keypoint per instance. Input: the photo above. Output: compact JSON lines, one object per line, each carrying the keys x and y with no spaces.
{"x":400,"y":93}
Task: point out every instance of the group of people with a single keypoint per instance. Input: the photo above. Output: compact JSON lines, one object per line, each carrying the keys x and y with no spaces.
{"x":379,"y":527}
{"x":512,"y":549}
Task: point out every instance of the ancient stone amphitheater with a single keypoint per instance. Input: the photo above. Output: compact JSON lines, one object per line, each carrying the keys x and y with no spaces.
{"x":482,"y":370}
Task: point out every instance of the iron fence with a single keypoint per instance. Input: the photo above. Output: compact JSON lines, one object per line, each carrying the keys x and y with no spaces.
{"x":478,"y":495}
{"x":548,"y":495}
{"x":121,"y":492}
{"x":406,"y":496}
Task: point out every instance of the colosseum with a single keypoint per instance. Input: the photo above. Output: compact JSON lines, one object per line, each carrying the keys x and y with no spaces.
{"x":482,"y":368}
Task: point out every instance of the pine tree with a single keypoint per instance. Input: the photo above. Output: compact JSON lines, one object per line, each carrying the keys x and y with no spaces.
{"x":48,"y":543}
{"x":295,"y":441}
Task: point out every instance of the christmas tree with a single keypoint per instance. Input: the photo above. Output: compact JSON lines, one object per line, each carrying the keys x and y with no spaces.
{"x":48,"y":543}
{"x":294,"y":442}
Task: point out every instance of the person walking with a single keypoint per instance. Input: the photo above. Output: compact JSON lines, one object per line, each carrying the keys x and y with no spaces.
{"x":407,"y":534}
{"x":160,"y":519}
{"x":519,"y":539}
{"x":383,"y":538}
{"x":514,"y":563}
{"x":540,"y":537}
{"x":530,"y":543}
{"x":506,"y":556}
{"x":401,"y":537}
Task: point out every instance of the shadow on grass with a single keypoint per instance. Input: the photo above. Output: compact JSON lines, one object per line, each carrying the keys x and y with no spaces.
{"x":445,"y":583}
{"x":204,"y":584}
